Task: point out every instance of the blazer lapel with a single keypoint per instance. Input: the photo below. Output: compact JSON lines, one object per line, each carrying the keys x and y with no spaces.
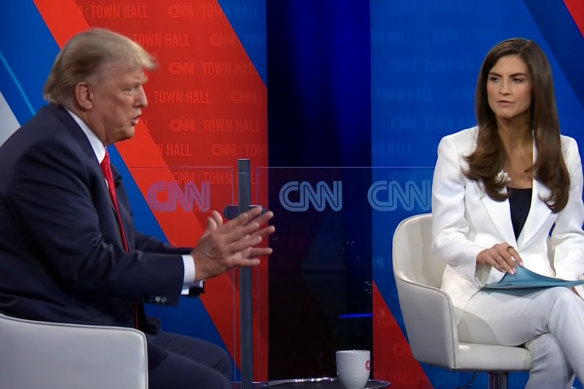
{"x":538,"y":212}
{"x":499,"y":214}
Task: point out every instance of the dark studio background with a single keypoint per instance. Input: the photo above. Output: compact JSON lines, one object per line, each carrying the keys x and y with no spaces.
{"x":319,"y":115}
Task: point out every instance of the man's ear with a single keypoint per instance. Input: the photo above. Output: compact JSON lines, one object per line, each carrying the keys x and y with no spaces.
{"x":83,"y":95}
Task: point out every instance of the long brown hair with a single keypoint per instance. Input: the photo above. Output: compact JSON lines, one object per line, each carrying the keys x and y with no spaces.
{"x":488,"y":159}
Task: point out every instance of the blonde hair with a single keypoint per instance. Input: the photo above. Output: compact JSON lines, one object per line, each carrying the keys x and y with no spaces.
{"x":83,"y":57}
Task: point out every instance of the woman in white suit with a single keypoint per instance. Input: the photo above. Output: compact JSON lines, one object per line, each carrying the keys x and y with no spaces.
{"x":508,"y":193}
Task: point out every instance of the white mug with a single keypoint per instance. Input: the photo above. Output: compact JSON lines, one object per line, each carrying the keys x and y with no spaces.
{"x":353,"y":368}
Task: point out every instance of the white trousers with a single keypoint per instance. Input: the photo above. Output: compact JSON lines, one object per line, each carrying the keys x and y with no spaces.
{"x":549,"y":322}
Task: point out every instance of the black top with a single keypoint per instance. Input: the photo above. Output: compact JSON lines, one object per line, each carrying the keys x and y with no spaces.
{"x":520,"y":201}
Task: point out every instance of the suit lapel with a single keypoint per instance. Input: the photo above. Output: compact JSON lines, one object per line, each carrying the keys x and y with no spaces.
{"x":124,"y":207}
{"x":538,"y":212}
{"x":77,"y":134}
{"x":500,"y":215}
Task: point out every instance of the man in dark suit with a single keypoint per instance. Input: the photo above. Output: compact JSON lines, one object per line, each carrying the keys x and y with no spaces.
{"x":68,"y":252}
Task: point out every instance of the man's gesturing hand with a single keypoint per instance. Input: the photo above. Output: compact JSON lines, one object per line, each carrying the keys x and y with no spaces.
{"x":233,"y":244}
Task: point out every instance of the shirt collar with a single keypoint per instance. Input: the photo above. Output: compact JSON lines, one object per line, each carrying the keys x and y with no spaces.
{"x":96,"y":145}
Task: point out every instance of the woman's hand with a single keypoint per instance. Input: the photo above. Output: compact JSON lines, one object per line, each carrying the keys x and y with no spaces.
{"x":502,"y":256}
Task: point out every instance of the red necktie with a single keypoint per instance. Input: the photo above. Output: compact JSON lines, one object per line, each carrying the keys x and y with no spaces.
{"x":109,"y":176}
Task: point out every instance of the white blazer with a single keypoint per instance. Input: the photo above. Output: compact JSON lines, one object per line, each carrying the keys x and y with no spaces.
{"x":467,"y":221}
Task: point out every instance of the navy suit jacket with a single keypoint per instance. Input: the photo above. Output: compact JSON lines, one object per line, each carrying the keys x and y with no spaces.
{"x":61,"y":253}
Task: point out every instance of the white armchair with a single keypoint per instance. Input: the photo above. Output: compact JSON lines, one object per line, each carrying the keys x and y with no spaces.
{"x":428,"y":312}
{"x":68,"y":356}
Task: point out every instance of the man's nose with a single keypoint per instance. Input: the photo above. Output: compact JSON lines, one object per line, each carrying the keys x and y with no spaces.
{"x":142,"y":100}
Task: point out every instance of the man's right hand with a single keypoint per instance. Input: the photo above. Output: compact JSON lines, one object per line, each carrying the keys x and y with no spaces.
{"x":233,"y":244}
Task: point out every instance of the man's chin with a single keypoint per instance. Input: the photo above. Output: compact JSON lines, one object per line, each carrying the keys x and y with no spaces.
{"x":127,"y":134}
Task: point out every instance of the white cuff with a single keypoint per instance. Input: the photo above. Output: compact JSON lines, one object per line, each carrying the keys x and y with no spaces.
{"x":189,"y":275}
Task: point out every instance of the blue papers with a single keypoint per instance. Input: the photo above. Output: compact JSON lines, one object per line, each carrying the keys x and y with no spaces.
{"x":524,"y":278}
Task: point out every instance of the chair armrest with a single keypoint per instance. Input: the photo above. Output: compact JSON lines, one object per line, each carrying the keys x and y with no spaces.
{"x":427,"y":313}
{"x":67,"y":356}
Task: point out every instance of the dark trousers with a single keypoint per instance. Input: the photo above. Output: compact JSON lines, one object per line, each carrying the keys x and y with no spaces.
{"x":188,"y":363}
